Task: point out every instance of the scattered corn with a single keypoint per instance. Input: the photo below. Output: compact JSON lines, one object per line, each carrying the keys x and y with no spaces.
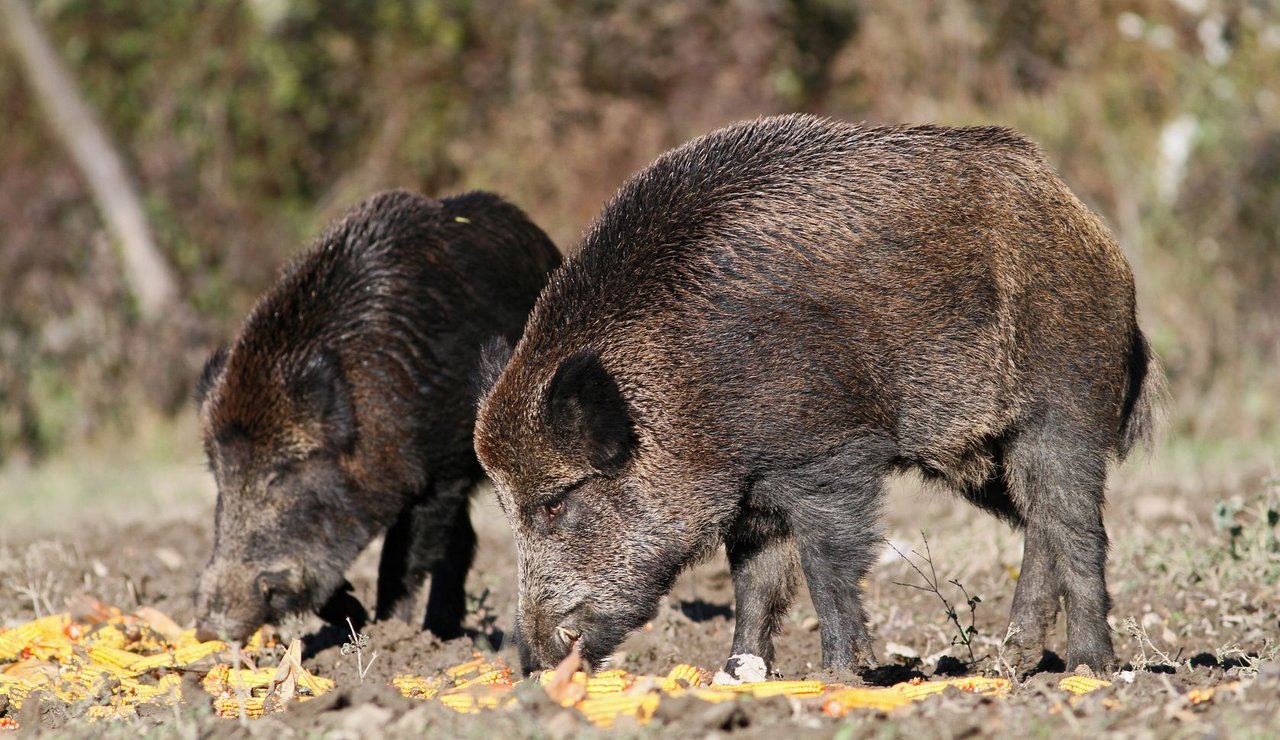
{"x":1080,"y":685}
{"x":603,"y":711}
{"x":14,"y":641}
{"x":470,"y":702}
{"x":416,"y":687}
{"x":100,"y":655}
{"x":231,"y":706}
{"x":844,"y":700}
{"x":1202,"y":695}
{"x":762,"y":689}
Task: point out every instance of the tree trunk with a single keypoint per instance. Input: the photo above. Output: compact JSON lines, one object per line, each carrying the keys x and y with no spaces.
{"x":145,"y":270}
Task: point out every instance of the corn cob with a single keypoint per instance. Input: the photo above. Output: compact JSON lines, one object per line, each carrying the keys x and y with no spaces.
{"x":496,"y":676}
{"x":614,"y":683}
{"x":110,"y":712}
{"x":682,"y":676}
{"x":416,"y":687}
{"x":1202,"y":695}
{"x":223,"y":679}
{"x":180,"y":657}
{"x":1080,"y":685}
{"x":475,"y":665}
{"x":107,"y":635}
{"x":230,"y":706}
{"x":13,"y":641}
{"x":840,"y":703}
{"x":603,"y":711}
{"x":15,"y":689}
{"x":774,"y":688}
{"x":605,"y":682}
{"x":470,"y":702}
{"x":113,"y":661}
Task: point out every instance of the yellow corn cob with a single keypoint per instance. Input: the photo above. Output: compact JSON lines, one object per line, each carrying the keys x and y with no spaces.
{"x":416,"y":687}
{"x":117,"y":662}
{"x":166,"y":691}
{"x":600,"y":684}
{"x":545,"y":677}
{"x":230,"y":706}
{"x":1206,"y":694}
{"x":494,"y":677}
{"x":774,"y":688}
{"x":222,"y":678}
{"x":13,"y":641}
{"x":475,"y":665}
{"x":1080,"y":685}
{"x":470,"y":702}
{"x":787,"y":688}
{"x":684,"y":674}
{"x":840,"y":703}
{"x":110,"y":712}
{"x":186,"y":638}
{"x":15,"y":689}
{"x":603,"y":711}
{"x":181,"y":657}
{"x":108,"y":635}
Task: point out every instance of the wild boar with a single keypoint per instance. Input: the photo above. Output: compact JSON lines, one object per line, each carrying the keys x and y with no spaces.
{"x":343,"y":409}
{"x":765,"y":323}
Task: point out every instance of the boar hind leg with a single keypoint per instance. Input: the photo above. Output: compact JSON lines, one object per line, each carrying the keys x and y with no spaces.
{"x":1058,"y":482}
{"x":447,"y":600}
{"x":1035,"y":599}
{"x":765,"y":569}
{"x":432,"y":537}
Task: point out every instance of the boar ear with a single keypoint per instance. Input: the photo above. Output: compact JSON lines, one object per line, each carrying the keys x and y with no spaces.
{"x":494,"y":356}
{"x":209,"y":375}
{"x":585,"y":408}
{"x":321,"y":392}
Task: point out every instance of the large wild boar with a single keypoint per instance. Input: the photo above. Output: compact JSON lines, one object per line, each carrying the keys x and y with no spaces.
{"x":765,"y":323}
{"x":343,"y":409}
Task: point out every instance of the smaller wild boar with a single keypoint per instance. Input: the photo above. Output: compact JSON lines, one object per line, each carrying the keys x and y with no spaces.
{"x":343,"y":409}
{"x":764,"y":324}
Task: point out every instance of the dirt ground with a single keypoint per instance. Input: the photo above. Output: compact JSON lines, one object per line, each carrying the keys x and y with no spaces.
{"x":1194,"y":572}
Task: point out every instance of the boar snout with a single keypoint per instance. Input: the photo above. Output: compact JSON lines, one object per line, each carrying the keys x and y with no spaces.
{"x":544,"y":639}
{"x":233,"y":599}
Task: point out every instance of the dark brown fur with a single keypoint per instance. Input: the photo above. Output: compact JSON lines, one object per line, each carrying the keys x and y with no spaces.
{"x":343,"y":409}
{"x":765,"y":323}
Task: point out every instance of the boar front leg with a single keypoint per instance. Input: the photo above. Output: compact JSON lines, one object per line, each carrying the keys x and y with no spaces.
{"x":833,"y":507}
{"x":765,"y":569}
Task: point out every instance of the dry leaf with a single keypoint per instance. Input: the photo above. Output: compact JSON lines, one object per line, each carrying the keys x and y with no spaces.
{"x":284,"y":685}
{"x":562,"y":688}
{"x":160,"y":622}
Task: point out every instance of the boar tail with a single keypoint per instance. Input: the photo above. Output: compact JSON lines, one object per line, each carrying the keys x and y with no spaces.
{"x":1144,"y":398}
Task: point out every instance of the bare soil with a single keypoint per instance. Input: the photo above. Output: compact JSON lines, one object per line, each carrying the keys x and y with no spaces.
{"x":1194,"y":572}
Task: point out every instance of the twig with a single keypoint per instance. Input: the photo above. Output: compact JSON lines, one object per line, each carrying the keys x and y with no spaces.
{"x":964,"y":635}
{"x":359,"y":642}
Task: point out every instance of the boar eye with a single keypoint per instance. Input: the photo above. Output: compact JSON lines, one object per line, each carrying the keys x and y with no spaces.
{"x":553,"y":510}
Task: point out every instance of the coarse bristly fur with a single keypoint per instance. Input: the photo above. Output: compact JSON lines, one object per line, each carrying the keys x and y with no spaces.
{"x":343,"y":409}
{"x":766,"y":322}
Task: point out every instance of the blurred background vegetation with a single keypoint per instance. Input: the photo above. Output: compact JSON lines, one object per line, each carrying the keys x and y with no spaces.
{"x":248,"y":125}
